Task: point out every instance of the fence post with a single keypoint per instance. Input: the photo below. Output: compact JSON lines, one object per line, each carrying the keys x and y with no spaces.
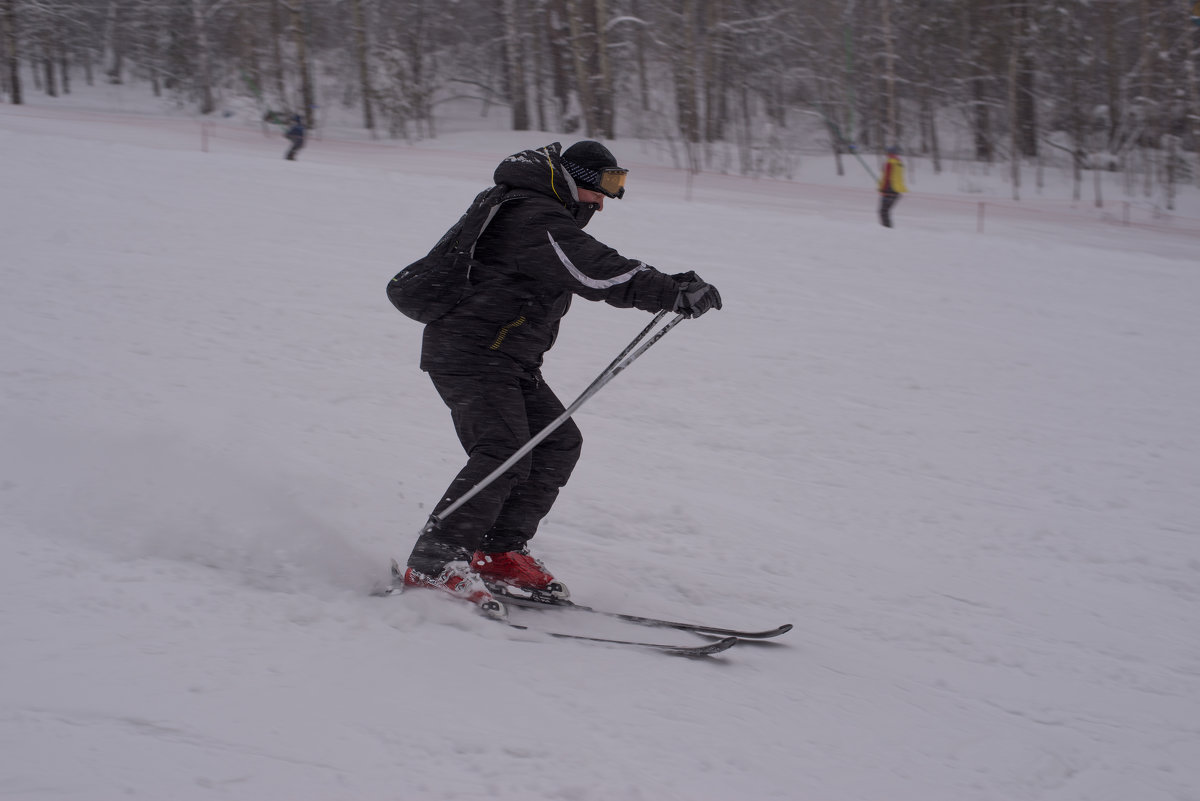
{"x":1125,"y":221}
{"x":979,"y":225}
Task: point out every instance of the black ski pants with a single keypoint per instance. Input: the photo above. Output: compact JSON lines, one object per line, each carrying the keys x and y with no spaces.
{"x":495,"y":414}
{"x":297,"y":143}
{"x":886,"y":201}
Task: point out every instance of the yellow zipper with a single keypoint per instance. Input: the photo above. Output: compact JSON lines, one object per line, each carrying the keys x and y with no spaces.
{"x":504,"y":332}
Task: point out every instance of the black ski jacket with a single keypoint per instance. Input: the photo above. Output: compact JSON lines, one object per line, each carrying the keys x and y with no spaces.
{"x":535,"y":256}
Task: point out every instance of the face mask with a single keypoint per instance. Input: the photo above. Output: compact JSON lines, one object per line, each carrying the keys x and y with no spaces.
{"x":583,"y":212}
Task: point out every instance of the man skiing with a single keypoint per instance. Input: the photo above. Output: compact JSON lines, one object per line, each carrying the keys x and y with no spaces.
{"x":891,"y":185}
{"x":484,"y":358}
{"x":295,"y":135}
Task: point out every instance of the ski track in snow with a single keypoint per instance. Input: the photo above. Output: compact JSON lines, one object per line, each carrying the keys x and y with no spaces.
{"x":963,"y":465}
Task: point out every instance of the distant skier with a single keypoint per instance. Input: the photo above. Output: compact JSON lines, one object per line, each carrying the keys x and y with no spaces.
{"x":891,"y":185}
{"x":295,"y":135}
{"x":485,"y":356}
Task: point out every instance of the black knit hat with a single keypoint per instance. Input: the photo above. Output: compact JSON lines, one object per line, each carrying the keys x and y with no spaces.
{"x":586,"y":160}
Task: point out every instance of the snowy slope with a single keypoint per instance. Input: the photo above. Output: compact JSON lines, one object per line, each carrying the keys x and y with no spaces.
{"x":964,"y":465}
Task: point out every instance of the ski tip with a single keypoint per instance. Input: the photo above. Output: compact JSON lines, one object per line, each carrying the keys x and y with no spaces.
{"x":382,"y":589}
{"x":784,"y":629}
{"x":756,"y":635}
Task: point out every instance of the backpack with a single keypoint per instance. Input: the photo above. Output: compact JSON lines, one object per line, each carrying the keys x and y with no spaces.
{"x":434,"y":284}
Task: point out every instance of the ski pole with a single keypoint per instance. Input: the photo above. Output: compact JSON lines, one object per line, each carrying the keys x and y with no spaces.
{"x":626,"y":351}
{"x":623,"y":360}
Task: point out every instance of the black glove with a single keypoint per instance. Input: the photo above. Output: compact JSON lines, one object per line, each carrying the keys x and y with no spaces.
{"x":697,"y":297}
{"x":684,"y":278}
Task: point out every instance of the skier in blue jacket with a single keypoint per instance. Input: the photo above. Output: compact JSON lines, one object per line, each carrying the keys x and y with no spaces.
{"x":295,"y":135}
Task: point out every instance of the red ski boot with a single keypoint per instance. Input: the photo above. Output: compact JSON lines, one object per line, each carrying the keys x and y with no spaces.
{"x":459,"y":580}
{"x":518,"y":573}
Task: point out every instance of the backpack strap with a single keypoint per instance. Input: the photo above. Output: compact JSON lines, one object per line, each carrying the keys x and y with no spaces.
{"x":492,"y":202}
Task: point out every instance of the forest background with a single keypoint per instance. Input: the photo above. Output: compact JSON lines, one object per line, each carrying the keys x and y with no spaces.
{"x":738,"y":86}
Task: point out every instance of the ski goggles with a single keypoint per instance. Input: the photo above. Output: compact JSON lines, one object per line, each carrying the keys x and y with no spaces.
{"x":612,"y":182}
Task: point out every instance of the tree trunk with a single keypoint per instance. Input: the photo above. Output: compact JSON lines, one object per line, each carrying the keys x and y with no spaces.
{"x":932,"y":144}
{"x":836,"y":140}
{"x":889,"y":72}
{"x":1194,"y":112}
{"x":1026,"y":105}
{"x":204,"y":78}
{"x":51,"y":83}
{"x":153,"y":23}
{"x":583,"y":83}
{"x":562,"y":62}
{"x":1146,"y":91}
{"x":248,"y":51}
{"x":605,"y":112}
{"x":1077,"y":124}
{"x":643,"y":78}
{"x":116,"y":42}
{"x":537,"y":47}
{"x":419,"y":92}
{"x":360,"y":52}
{"x":277,"y":70}
{"x":300,"y":32}
{"x":1013,"y":117}
{"x":12,"y":52}
{"x":847,"y":121}
{"x":518,"y":90}
{"x":713,"y":57}
{"x":745,"y":130}
{"x":64,"y":73}
{"x":1170,"y":170}
{"x":684,"y":58}
{"x":1112,"y":62}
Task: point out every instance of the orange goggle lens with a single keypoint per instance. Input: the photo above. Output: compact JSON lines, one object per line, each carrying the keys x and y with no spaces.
{"x":612,"y":182}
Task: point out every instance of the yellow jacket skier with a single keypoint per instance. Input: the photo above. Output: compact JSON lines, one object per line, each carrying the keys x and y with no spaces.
{"x":891,"y":185}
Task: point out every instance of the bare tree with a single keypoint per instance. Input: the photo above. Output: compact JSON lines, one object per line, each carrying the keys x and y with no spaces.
{"x":12,"y":51}
{"x":308,"y":105}
{"x":582,"y":36}
{"x":603,"y":77}
{"x":361,"y":51}
{"x":1026,"y":79}
{"x":200,"y":14}
{"x":514,"y":49}
{"x":115,"y":26}
{"x":684,"y":69}
{"x":979,"y":72}
{"x":889,"y":70}
{"x":1014,"y":117}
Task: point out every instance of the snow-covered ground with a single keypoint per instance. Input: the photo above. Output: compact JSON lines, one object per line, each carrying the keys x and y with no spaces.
{"x":964,"y":465}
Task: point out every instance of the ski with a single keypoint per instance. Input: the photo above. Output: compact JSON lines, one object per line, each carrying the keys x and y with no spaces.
{"x":534,"y":601}
{"x":707,"y":649}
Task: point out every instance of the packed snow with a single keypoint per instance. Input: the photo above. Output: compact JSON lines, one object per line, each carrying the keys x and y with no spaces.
{"x":962,"y":463}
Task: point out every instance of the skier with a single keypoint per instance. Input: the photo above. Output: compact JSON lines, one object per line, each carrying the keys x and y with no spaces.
{"x":295,"y":135}
{"x":484,"y":358}
{"x":891,"y":185}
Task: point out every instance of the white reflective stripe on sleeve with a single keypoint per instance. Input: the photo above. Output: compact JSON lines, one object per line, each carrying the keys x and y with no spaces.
{"x":592,"y":283}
